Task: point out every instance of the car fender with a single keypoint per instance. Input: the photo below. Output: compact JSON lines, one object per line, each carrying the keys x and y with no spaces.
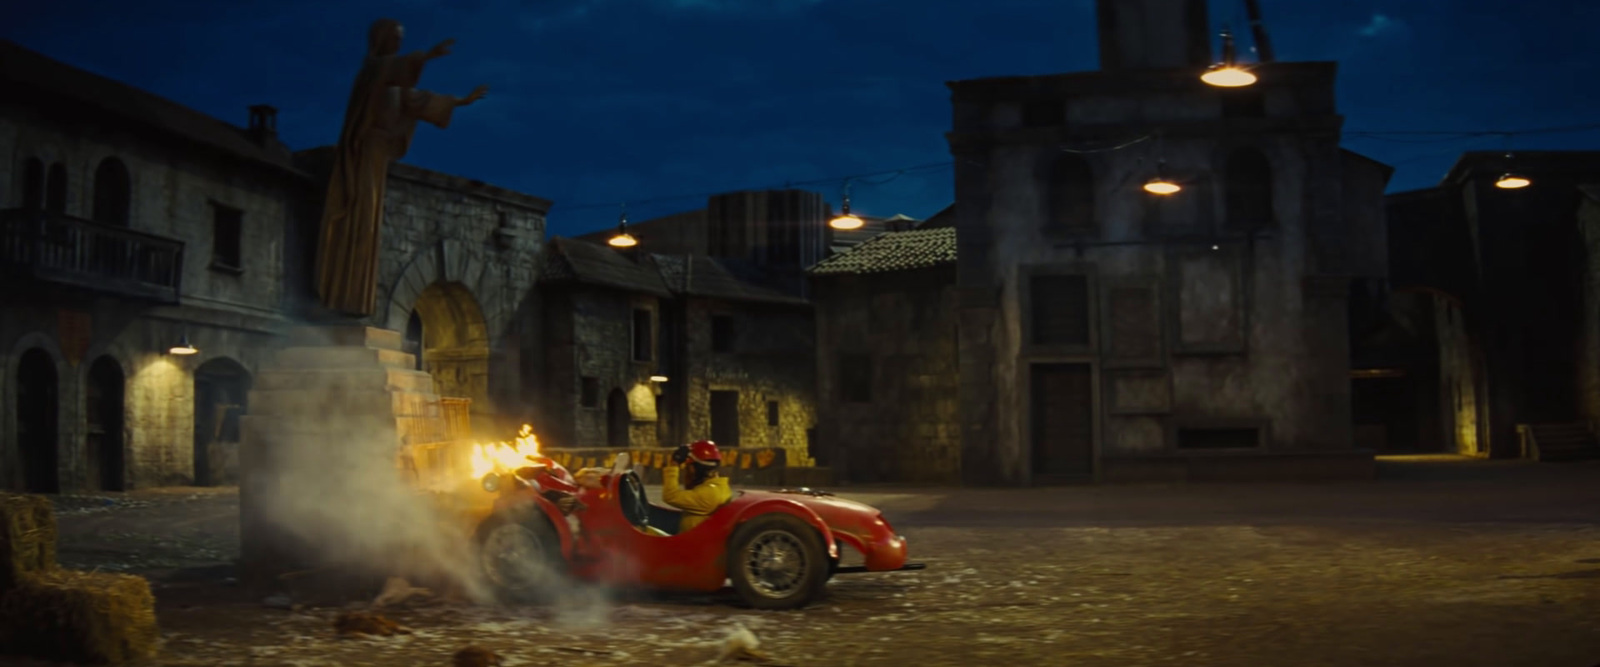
{"x":790,"y":507}
{"x":529,"y":502}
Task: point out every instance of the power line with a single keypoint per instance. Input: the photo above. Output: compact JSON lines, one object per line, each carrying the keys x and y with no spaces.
{"x":1395,"y":136}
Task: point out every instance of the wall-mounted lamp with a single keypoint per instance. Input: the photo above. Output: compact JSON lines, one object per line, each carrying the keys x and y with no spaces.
{"x":658,"y":378}
{"x":1160,"y":184}
{"x":183,"y":348}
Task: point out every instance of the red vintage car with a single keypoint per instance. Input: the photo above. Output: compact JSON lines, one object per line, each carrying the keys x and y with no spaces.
{"x":779,"y":549}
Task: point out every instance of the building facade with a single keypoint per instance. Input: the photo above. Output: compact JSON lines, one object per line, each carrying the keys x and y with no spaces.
{"x":888,"y":386}
{"x":130,"y":224}
{"x":1109,"y":333}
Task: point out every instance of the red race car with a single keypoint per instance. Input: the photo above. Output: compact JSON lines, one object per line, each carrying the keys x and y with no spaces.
{"x":779,"y":549}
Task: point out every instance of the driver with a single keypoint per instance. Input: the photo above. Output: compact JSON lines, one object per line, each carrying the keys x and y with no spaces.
{"x":705,"y":490}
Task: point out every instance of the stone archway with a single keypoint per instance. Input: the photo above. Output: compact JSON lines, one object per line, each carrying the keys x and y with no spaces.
{"x":38,"y":431}
{"x":221,"y":397}
{"x":454,"y":343}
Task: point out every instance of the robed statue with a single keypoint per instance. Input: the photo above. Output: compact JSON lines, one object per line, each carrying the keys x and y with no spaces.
{"x":384,"y":108}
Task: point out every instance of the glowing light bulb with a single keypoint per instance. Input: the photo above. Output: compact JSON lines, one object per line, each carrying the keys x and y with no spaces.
{"x":1512,"y":182}
{"x":1161,"y":186}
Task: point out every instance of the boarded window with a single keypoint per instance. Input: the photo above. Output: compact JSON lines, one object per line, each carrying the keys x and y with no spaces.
{"x":772,"y":413}
{"x":1060,"y":308}
{"x":1249,"y":190}
{"x":722,"y":333}
{"x":1135,"y":324}
{"x":1218,"y":438}
{"x":589,"y":392}
{"x":641,"y":335}
{"x":855,"y":378}
{"x":1071,"y":194}
{"x":227,"y":237}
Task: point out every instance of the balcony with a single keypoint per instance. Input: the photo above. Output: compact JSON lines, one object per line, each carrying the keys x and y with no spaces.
{"x":64,"y":250}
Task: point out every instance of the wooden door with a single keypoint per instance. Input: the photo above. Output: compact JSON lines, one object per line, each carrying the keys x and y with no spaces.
{"x":1062,"y":402}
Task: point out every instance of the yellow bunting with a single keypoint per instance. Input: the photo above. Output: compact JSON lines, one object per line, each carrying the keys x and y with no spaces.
{"x":765,"y":458}
{"x":611,"y":460}
{"x":744,"y":461}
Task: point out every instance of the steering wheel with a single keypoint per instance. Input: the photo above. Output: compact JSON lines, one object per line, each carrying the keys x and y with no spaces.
{"x":630,"y":494}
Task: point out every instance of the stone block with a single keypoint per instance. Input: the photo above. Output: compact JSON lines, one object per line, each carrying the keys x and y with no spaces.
{"x":343,"y":357}
{"x":346,"y":336}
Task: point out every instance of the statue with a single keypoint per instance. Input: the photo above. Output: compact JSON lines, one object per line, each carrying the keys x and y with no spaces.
{"x":383,"y":112}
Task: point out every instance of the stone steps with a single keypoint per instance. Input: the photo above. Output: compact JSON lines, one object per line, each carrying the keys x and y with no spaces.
{"x":346,"y":336}
{"x":330,"y":358}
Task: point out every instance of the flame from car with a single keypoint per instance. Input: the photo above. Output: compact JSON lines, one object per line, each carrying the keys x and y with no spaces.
{"x":505,"y":456}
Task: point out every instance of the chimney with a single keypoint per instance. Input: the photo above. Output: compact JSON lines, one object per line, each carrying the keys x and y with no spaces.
{"x":1153,"y":34}
{"x":264,"y":124}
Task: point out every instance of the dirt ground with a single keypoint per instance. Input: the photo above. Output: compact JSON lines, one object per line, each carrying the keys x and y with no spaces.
{"x":1441,"y":562}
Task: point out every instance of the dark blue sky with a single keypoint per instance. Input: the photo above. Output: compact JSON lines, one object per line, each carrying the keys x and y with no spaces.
{"x":603,"y":101}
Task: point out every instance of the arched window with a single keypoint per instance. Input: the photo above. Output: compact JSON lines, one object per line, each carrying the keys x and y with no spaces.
{"x":112,"y":192}
{"x":55,"y":189}
{"x":1071,"y":194}
{"x":33,"y":184}
{"x":1248,"y":181}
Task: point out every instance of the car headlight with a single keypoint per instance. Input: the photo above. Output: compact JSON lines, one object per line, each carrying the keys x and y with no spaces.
{"x":491,"y":482}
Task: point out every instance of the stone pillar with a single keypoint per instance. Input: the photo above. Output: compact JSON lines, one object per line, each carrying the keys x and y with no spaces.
{"x":338,"y":397}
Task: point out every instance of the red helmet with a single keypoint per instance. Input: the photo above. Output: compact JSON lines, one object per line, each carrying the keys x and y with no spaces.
{"x":705,"y":452}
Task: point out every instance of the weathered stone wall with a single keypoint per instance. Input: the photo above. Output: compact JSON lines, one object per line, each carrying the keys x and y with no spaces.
{"x":773,"y":360}
{"x":227,"y":314}
{"x":1458,"y":381}
{"x":1245,"y":332}
{"x":591,"y":336}
{"x":906,"y":323}
{"x":477,"y":246}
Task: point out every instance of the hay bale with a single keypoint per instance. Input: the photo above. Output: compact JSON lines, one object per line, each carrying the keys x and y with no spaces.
{"x":27,"y":538}
{"x":88,"y":617}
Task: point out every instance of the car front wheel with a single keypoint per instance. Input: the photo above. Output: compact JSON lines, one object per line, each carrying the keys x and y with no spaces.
{"x":519,"y":558}
{"x":777,"y":561}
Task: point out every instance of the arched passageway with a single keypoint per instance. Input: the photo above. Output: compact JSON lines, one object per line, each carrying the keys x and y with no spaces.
{"x":221,"y":397}
{"x":38,"y":431}
{"x":104,"y":407}
{"x":448,"y":328}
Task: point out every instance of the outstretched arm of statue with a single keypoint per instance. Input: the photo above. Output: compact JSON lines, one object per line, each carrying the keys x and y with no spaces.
{"x":475,"y":95}
{"x":441,"y":49}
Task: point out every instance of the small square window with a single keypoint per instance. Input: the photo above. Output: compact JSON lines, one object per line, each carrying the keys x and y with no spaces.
{"x":772,"y":413}
{"x":589,"y":395}
{"x":227,"y":237}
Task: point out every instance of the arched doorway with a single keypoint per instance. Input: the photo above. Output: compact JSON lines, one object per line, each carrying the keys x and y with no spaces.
{"x":617,"y":419}
{"x":453,"y":338}
{"x":38,"y":392}
{"x":103,"y":413}
{"x":221,"y":397}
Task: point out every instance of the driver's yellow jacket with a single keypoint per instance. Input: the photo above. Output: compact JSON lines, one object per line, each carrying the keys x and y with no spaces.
{"x":697,"y":502}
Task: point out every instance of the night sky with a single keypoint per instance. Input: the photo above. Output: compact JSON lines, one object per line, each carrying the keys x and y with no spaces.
{"x":596,"y":102}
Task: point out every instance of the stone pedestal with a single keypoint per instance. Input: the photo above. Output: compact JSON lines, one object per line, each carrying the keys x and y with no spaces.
{"x":327,"y":415}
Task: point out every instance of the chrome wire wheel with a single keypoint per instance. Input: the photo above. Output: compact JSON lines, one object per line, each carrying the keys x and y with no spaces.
{"x":775,"y":564}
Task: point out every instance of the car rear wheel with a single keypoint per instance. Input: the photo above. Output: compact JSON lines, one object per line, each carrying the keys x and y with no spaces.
{"x":777,"y":562}
{"x":520,"y":558}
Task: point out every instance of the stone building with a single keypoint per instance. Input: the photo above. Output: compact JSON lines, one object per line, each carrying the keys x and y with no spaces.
{"x":654,"y":350}
{"x":1109,"y":333}
{"x":131,"y":223}
{"x":887,"y":382}
{"x":457,"y":273}
{"x":1504,"y":277}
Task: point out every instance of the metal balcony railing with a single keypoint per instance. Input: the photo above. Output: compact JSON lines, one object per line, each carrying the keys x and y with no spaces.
{"x":61,"y":249}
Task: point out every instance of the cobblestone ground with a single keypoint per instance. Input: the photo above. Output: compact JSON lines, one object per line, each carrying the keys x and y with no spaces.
{"x":1438,"y":564}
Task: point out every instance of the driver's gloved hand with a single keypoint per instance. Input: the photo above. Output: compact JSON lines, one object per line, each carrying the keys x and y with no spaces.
{"x":680,"y":454}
